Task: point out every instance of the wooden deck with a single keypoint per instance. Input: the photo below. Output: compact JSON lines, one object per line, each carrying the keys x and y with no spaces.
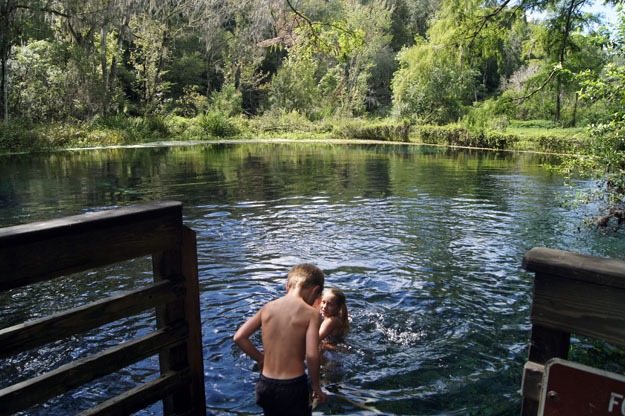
{"x":43,"y":251}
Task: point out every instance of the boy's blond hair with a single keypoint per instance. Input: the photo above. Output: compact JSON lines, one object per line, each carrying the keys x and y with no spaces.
{"x":305,"y":275}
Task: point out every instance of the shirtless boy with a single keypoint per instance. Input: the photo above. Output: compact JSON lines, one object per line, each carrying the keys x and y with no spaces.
{"x":290,"y":332}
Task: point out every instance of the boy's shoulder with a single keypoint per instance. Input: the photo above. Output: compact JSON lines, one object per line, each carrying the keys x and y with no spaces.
{"x":291,"y":305}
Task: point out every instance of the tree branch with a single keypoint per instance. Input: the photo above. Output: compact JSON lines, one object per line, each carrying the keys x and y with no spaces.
{"x":553,"y":73}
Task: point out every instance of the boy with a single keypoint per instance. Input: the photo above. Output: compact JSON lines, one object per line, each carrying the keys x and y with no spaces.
{"x":290,"y":332}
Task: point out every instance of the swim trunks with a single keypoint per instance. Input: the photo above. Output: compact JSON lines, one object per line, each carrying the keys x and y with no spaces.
{"x":283,"y":397}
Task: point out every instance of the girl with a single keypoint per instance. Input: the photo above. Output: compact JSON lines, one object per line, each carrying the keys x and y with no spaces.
{"x":334,"y":313}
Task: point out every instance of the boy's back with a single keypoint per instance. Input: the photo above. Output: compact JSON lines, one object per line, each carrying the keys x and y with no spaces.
{"x":285,"y":324}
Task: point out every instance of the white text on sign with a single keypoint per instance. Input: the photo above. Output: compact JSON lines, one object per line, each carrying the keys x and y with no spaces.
{"x":616,"y":401}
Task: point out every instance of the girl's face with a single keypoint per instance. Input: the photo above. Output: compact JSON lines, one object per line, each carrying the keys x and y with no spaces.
{"x":329,"y":305}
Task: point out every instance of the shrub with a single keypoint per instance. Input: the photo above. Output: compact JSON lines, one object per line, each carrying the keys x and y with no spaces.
{"x":17,"y":136}
{"x":459,"y":136}
{"x":217,"y":125}
{"x":396,"y":132}
{"x":227,"y":101}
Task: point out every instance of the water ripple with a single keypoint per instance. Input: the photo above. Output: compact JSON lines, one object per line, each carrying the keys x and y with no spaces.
{"x":426,"y":243}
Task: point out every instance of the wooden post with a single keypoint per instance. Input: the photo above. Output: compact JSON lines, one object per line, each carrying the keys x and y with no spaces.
{"x":180,"y":266}
{"x":573,"y":293}
{"x":192,"y":312}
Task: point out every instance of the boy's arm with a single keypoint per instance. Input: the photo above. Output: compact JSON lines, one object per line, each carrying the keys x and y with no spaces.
{"x":242,"y":338}
{"x":312,"y":356}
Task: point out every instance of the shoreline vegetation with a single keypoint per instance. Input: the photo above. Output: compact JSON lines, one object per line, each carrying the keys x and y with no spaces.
{"x":116,"y":131}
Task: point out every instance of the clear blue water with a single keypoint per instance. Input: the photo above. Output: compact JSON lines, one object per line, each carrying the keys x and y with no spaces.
{"x":426,"y":242}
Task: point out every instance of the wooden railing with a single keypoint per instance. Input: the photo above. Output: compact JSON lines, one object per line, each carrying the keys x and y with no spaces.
{"x":42,"y":251}
{"x":573,"y":293}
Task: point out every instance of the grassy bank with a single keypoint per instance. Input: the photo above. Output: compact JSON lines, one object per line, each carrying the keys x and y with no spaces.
{"x":120,"y":130}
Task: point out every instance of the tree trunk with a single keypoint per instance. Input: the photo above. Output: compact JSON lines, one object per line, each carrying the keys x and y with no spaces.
{"x":5,"y":90}
{"x":105,"y":69}
{"x":574,"y":121}
{"x":558,"y":103}
{"x":7,"y":13}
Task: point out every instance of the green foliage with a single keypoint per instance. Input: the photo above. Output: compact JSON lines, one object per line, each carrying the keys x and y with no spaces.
{"x":147,"y":56}
{"x":455,"y":135}
{"x":186,"y":72}
{"x":294,"y":87}
{"x":605,"y":159}
{"x":486,"y":116}
{"x":38,"y":77}
{"x":226,"y":101}
{"x":191,"y":103}
{"x":16,"y":136}
{"x":562,"y":145}
{"x":535,"y":124}
{"x":429,"y":86}
{"x":366,"y":130}
{"x":124,"y":129}
{"x":217,"y":125}
{"x":473,"y":62}
{"x":328,"y":70}
{"x":286,"y":124}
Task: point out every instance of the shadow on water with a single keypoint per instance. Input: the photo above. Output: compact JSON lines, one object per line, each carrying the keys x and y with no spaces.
{"x":427,"y":244}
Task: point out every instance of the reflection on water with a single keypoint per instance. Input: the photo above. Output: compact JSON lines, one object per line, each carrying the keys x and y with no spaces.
{"x":426,"y":243}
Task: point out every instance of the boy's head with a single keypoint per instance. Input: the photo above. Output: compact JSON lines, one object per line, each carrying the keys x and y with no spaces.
{"x":305,"y":275}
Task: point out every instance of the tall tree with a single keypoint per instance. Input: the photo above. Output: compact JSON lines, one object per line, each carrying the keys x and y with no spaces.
{"x":8,"y":11}
{"x":459,"y":62}
{"x":15,"y":17}
{"x":343,"y":50}
{"x":564,"y":19}
{"x":607,"y":155}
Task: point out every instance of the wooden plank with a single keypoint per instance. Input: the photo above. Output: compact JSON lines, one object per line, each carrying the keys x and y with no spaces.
{"x":22,"y":395}
{"x":529,"y":407}
{"x":579,"y":307}
{"x":591,"y":269}
{"x":18,"y":234}
{"x":194,"y":320}
{"x":167,"y":265}
{"x":32,"y":334}
{"x":40,"y":251}
{"x":142,"y":396}
{"x":532,"y":381}
{"x":547,"y":343}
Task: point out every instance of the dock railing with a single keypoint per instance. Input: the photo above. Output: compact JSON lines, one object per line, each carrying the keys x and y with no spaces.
{"x":42,"y":251}
{"x":573,"y":294}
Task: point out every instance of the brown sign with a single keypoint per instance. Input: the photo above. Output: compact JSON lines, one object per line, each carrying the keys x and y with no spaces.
{"x":571,"y":389}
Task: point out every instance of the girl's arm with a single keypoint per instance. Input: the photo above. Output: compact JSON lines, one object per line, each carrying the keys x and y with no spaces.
{"x":328,"y":326}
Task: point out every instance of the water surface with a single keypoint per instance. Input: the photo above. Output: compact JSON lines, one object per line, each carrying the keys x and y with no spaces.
{"x":426,"y":242}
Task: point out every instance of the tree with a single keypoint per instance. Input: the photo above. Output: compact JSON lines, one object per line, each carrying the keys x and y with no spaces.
{"x":15,"y":18}
{"x":458,"y":63}
{"x":565,"y":18}
{"x":148,"y":56}
{"x":410,"y":18}
{"x":8,"y":11}
{"x":556,"y":42}
{"x":343,"y":50}
{"x":428,"y":86}
{"x":606,"y":158}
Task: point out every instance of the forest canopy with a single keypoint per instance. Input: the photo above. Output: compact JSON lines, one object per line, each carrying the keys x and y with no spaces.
{"x":426,"y":61}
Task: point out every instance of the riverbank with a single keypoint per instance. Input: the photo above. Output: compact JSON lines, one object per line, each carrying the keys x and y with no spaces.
{"x":125,"y":131}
